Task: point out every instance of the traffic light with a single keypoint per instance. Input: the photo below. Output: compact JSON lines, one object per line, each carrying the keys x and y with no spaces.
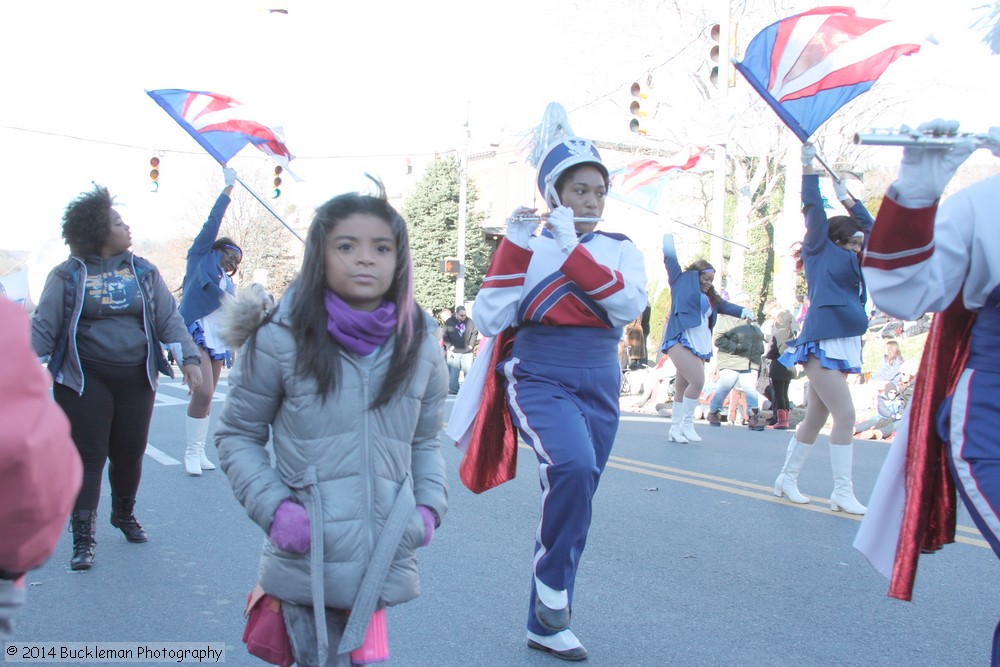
{"x":450,"y":266}
{"x":714,"y":53}
{"x":277,"y":182}
{"x":154,"y":174}
{"x":719,"y":59}
{"x":640,"y":106}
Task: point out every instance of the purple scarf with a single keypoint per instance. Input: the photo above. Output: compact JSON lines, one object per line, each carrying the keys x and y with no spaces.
{"x":359,"y":331}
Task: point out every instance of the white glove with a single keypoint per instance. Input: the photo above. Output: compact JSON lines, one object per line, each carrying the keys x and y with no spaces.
{"x":747,"y":314}
{"x":808,"y":154}
{"x":925,"y":171}
{"x":563,"y":228}
{"x":840,"y":188}
{"x":519,"y":231}
{"x":229,"y":176}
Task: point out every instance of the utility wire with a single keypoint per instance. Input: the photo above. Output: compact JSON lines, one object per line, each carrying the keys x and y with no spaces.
{"x":186,"y":152}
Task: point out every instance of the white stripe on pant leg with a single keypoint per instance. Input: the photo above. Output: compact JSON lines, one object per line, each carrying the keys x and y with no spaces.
{"x":959,"y":414}
{"x":536,"y":445}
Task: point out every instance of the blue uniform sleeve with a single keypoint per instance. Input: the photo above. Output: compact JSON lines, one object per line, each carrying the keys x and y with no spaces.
{"x":817,"y":225}
{"x":674,"y":270}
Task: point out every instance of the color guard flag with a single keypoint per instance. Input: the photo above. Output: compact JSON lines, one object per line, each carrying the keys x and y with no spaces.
{"x":220,"y":124}
{"x":640,"y":183}
{"x":808,"y":66}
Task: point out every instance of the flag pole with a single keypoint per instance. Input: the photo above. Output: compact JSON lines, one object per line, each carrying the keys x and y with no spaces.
{"x":268,"y":207}
{"x":705,"y":231}
{"x":832,"y":173}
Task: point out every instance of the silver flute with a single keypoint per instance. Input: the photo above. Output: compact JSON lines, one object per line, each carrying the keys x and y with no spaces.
{"x":543,"y":218}
{"x":925,"y":139}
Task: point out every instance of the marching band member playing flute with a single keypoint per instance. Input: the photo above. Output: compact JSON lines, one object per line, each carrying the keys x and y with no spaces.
{"x":920,"y":259}
{"x":565,"y":294}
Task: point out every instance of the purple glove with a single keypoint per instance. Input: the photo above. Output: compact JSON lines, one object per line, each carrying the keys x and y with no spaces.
{"x":290,"y":528}
{"x":429,"y":520}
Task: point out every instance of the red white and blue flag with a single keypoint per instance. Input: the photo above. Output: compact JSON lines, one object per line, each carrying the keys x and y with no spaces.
{"x":220,"y":124}
{"x":808,"y":66}
{"x":641,"y":183}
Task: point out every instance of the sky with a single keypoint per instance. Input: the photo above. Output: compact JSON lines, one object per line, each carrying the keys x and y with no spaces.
{"x":356,"y":86}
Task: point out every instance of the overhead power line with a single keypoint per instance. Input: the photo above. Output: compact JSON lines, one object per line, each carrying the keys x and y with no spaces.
{"x":194,"y":152}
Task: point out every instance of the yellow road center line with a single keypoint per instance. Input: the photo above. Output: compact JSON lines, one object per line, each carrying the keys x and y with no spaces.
{"x":750,"y":490}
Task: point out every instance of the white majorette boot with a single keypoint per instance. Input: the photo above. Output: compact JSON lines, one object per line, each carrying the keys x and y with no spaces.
{"x":687,"y":425}
{"x":676,"y":417}
{"x":194,"y":454}
{"x":787,"y":483}
{"x":841,"y":459}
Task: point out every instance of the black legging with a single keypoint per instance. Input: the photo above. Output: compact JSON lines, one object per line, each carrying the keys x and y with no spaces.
{"x":780,"y":390}
{"x":109,"y":422}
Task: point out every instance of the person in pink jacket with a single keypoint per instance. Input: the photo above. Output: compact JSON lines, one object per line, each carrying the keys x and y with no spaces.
{"x":40,"y":470}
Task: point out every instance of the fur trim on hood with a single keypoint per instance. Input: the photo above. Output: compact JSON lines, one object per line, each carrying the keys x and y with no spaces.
{"x":242,"y":314}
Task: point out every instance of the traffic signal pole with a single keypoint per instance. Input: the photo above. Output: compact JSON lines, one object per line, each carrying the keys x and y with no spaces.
{"x":719,"y":94}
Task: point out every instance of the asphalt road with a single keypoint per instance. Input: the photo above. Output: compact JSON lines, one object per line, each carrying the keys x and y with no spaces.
{"x":691,"y":560}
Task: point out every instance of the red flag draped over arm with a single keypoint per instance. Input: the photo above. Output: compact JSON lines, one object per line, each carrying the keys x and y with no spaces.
{"x":929,"y":513}
{"x":491,"y":458}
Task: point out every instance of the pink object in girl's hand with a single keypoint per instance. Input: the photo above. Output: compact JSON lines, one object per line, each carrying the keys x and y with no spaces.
{"x":376,"y":645}
{"x":290,"y":528}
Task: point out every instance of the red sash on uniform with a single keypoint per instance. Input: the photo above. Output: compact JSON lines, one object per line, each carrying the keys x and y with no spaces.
{"x":491,"y":457}
{"x":929,"y":513}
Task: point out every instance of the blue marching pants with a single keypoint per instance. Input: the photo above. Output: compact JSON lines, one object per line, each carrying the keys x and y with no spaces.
{"x":969,"y":422}
{"x":562,"y":388}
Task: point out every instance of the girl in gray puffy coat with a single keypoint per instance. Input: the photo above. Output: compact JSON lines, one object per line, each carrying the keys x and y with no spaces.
{"x":347,"y":376}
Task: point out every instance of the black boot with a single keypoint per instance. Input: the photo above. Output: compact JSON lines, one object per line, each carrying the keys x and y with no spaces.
{"x":84,"y":525}
{"x":123,"y":519}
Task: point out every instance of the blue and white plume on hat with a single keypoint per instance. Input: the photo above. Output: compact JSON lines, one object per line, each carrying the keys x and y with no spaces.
{"x":554,"y":149}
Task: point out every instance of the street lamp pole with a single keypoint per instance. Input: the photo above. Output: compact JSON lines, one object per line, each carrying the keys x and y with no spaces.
{"x":463,"y":189}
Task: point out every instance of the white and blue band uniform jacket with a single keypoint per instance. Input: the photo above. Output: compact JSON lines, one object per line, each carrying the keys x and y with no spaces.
{"x":921,"y":260}
{"x":562,"y":379}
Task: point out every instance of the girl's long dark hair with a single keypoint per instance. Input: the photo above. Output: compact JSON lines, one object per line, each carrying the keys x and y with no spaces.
{"x":704,"y":265}
{"x":840,"y":229}
{"x":318,"y":354}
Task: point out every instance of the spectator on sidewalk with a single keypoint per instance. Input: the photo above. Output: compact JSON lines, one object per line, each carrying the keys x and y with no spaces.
{"x":741,"y":345}
{"x":783,"y":330}
{"x":888,"y":370}
{"x":460,"y":338}
{"x":890,"y":411}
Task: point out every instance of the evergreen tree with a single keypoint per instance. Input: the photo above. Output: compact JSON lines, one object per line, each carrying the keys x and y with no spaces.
{"x":432,"y":214}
